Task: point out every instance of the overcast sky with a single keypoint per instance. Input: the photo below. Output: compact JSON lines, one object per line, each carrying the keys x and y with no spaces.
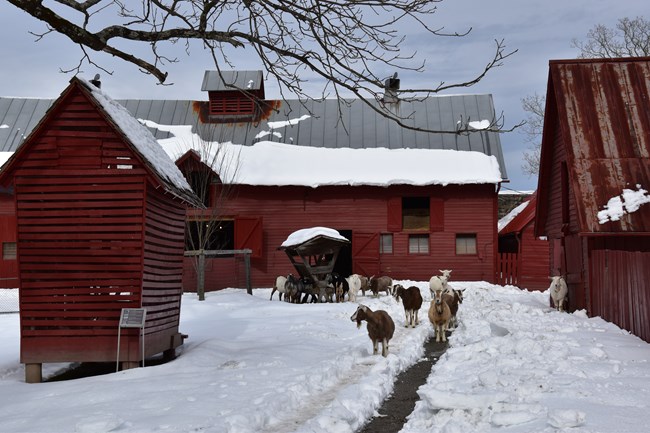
{"x":539,"y":30}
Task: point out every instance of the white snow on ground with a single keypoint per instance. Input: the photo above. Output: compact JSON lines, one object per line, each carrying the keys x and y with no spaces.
{"x":254,"y":365}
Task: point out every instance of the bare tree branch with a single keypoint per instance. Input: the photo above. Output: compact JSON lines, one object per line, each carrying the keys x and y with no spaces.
{"x":348,"y":43}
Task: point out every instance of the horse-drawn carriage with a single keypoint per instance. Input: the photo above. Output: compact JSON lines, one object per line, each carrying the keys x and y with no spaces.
{"x":313,"y":253}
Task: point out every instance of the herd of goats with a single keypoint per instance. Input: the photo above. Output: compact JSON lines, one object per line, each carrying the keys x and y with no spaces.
{"x":442,"y":312}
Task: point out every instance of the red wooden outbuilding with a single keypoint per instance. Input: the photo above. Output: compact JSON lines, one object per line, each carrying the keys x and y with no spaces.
{"x":523,"y":258}
{"x":100,"y":227}
{"x":595,"y":153}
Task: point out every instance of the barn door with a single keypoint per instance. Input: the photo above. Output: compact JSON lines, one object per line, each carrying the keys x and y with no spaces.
{"x":248,"y":234}
{"x":365,"y":253}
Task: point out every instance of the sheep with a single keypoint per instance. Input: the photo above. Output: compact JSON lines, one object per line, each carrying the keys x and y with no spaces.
{"x":439,"y":315}
{"x":453,"y":298}
{"x":354,"y":282}
{"x":279,"y":287}
{"x":439,"y":282}
{"x":380,"y":284}
{"x":380,"y":327}
{"x":412,"y":300}
{"x":559,"y":292}
{"x":340,"y":284}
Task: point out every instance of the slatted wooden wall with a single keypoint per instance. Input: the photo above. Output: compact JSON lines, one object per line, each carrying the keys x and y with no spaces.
{"x":163,"y":269}
{"x":80,"y":198}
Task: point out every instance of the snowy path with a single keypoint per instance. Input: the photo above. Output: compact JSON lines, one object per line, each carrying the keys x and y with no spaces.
{"x":252,"y":365}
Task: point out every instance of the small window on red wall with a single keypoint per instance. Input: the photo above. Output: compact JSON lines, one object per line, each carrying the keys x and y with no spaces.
{"x":418,"y":244}
{"x":466,"y":244}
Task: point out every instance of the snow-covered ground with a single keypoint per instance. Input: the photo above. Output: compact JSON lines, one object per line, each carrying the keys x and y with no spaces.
{"x":251,"y":365}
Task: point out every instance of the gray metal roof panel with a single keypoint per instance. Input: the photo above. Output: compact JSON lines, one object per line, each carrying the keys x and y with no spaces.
{"x":215,"y":81}
{"x":356,"y":126}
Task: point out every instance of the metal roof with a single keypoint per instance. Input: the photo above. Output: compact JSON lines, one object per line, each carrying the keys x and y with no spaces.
{"x":226,"y":80}
{"x":330,"y":123}
{"x":600,"y":108}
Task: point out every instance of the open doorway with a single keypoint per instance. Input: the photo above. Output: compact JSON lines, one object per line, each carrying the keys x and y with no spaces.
{"x":343,"y":264}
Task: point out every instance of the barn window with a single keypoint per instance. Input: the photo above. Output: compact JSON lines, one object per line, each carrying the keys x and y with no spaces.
{"x":210,"y":235}
{"x":386,"y":244}
{"x":418,"y":244}
{"x":466,"y":244}
{"x":415,"y":213}
{"x":9,"y":251}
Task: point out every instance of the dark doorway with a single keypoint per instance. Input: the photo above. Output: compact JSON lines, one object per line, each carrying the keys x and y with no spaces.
{"x":343,"y":264}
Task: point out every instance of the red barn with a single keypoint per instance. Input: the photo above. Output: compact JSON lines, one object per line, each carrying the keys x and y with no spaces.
{"x":593,"y":182}
{"x":523,"y":257}
{"x":407,"y":216}
{"x":100,"y":227}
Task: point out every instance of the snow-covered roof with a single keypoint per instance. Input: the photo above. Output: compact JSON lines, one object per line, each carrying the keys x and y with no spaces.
{"x":140,"y":136}
{"x":269,"y":163}
{"x":511,"y":215}
{"x":303,"y":235}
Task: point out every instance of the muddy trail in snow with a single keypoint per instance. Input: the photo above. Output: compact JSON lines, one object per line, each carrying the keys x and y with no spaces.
{"x":400,"y":404}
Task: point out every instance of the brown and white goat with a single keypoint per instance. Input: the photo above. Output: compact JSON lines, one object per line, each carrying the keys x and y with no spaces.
{"x":412,"y":300}
{"x":453,"y":298}
{"x":439,"y":315}
{"x":380,"y":327}
{"x":380,"y":284}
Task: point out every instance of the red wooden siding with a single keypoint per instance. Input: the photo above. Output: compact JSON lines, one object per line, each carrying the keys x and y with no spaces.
{"x":163,"y":270}
{"x":620,"y":289}
{"x":365,"y":253}
{"x":94,"y":236}
{"x":508,"y":269}
{"x":367,"y":212}
{"x":8,"y":267}
{"x":535,"y":258}
{"x":248,"y":234}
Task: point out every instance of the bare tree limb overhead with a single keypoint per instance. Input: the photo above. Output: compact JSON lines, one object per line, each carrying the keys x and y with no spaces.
{"x":350,"y":44}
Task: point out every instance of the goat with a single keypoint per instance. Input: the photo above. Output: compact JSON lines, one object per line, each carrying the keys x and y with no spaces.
{"x":364,"y":284}
{"x":307,"y":289}
{"x":412,"y":300}
{"x":439,"y":282}
{"x":340,"y":284}
{"x":294,"y":286}
{"x":453,"y":298}
{"x":380,"y":327}
{"x":439,"y":315}
{"x":354,"y":282}
{"x":380,"y":284}
{"x":279,"y":287}
{"x":559,"y":292}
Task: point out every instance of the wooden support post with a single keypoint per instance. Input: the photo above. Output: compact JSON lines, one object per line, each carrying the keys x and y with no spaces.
{"x":200,"y":290}
{"x":127,"y":365}
{"x":247,"y":265}
{"x":34,"y":373}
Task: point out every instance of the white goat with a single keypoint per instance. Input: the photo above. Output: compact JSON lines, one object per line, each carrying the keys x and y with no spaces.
{"x":279,"y":287}
{"x":355,"y":285}
{"x":439,"y":282}
{"x":559,"y":292}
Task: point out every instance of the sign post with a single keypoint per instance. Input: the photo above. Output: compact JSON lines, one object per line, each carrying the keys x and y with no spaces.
{"x":130,"y":318}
